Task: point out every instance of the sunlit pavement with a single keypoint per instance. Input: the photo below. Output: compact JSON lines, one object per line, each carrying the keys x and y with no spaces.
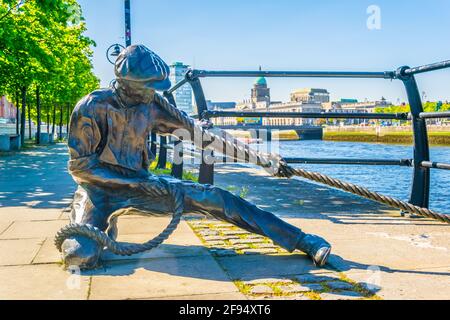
{"x":376,"y":253}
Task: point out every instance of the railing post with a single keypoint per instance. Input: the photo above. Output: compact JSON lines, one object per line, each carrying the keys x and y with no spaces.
{"x":153,"y":143}
{"x":420,"y":189}
{"x":177,"y":164}
{"x":206,"y":174}
{"x":162,"y":158}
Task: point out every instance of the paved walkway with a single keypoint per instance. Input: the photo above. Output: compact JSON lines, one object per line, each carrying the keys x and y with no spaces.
{"x":376,"y":255}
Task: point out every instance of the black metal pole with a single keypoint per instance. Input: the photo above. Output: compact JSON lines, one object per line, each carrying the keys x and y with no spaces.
{"x":435,"y":165}
{"x":177,"y":164}
{"x":293,"y":74}
{"x":374,"y":162}
{"x":427,"y":67}
{"x":420,"y":189}
{"x":177,"y":85}
{"x":206,"y":174}
{"x":337,"y":115}
{"x":434,"y":115}
{"x":162,"y":158}
{"x":153,"y":143}
{"x":127,"y":24}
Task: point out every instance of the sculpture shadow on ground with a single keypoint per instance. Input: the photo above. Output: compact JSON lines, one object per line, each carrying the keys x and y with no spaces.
{"x":344,"y":265}
{"x":240,"y":267}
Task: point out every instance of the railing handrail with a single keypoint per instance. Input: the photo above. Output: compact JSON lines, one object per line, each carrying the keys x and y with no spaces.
{"x":319,"y":115}
{"x":419,"y":195}
{"x":428,"y":67}
{"x":197,"y":73}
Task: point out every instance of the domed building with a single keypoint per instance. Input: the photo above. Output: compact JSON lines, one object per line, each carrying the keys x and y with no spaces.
{"x":260,"y":96}
{"x":260,"y":91}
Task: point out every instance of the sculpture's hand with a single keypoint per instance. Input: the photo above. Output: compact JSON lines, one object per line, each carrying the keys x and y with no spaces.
{"x":154,"y":187}
{"x":276,"y":165}
{"x":206,"y":124}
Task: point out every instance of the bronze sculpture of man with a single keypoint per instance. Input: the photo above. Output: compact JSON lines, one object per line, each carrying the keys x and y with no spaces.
{"x":109,"y":160}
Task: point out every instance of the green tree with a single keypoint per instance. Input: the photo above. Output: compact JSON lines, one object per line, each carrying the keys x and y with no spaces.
{"x":43,"y":51}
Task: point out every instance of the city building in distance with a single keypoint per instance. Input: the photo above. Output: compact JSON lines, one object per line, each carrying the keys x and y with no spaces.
{"x":301,"y":100}
{"x":355,"y":106}
{"x":310,"y":95}
{"x":313,"y":100}
{"x":183,"y":95}
{"x":7,"y":110}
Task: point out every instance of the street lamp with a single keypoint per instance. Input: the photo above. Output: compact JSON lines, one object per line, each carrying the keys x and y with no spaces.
{"x":113,"y":51}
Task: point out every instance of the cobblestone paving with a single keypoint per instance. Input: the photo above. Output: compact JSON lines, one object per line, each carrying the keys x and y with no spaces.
{"x":223,"y":239}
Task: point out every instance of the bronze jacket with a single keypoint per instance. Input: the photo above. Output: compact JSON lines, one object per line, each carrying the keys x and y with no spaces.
{"x":108,"y":142}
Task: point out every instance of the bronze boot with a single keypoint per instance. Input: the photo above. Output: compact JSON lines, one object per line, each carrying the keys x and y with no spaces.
{"x":315,"y":247}
{"x":81,"y":252}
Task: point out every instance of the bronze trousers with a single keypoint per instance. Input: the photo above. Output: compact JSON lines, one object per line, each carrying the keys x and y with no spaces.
{"x":93,"y":205}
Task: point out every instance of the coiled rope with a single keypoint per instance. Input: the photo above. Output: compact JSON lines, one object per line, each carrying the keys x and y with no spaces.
{"x":124,"y":248}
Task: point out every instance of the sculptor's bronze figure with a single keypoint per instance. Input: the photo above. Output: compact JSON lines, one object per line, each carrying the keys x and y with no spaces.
{"x":109,"y":161}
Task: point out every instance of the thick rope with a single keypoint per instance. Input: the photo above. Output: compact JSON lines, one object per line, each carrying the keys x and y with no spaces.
{"x":284,"y":170}
{"x":239,"y":150}
{"x":365,"y":193}
{"x":124,"y":248}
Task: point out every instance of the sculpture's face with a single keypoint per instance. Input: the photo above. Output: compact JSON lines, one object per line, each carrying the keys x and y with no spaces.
{"x":134,"y":91}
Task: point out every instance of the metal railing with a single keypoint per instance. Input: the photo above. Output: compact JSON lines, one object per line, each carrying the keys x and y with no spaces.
{"x":420,"y":188}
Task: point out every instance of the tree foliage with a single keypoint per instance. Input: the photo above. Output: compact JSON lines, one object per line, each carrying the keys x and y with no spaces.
{"x":42,"y":44}
{"x":427,"y":107}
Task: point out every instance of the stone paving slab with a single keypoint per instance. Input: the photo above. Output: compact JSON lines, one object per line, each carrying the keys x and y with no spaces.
{"x":315,"y":278}
{"x":387,"y":254}
{"x":47,"y":281}
{"x":209,"y":296}
{"x":177,"y":247}
{"x":47,"y":253}
{"x":28,"y":214}
{"x":255,"y":266}
{"x":160,"y":278}
{"x":424,"y":230}
{"x":427,"y":284}
{"x":4,"y":225}
{"x":149,"y":225}
{"x":342,"y":295}
{"x":16,"y":252}
{"x":32,"y":229}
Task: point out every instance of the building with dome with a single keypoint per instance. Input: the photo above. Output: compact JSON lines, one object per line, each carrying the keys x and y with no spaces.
{"x":260,"y":96}
{"x":260,"y":91}
{"x":301,"y":100}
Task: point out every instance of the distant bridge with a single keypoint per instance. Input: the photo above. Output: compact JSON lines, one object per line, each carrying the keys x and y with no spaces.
{"x":303,"y":132}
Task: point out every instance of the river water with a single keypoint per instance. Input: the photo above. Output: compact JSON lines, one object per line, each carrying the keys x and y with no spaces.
{"x":389,"y":180}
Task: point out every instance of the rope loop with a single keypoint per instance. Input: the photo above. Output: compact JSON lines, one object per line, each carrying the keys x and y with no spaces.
{"x":124,"y":248}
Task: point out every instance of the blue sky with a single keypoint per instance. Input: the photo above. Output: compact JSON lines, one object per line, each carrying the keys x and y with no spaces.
{"x":283,"y":35}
